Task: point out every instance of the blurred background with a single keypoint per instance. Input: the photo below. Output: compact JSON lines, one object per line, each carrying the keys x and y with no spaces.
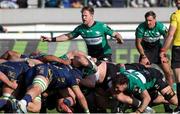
{"x":26,"y":20}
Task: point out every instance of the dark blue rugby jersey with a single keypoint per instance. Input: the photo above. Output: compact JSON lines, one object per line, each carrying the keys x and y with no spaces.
{"x":64,"y":76}
{"x":13,"y":69}
{"x":40,"y":69}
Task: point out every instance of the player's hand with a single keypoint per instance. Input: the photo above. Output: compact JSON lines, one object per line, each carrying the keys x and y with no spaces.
{"x":14,"y":84}
{"x":66,"y":62}
{"x":162,"y":54}
{"x":44,"y":38}
{"x":119,"y":41}
{"x":163,"y":57}
{"x":144,"y":61}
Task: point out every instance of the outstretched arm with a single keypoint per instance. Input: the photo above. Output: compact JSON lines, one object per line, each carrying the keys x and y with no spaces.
{"x":61,"y":38}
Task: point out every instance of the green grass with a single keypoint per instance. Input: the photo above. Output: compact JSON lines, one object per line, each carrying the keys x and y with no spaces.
{"x":158,"y":109}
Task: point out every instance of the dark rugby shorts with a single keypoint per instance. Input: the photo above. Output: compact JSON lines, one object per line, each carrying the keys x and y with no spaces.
{"x":175,"y":61}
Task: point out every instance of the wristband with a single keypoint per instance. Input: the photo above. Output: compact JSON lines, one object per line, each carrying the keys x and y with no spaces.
{"x":163,"y":50}
{"x":53,"y":39}
{"x":143,"y":56}
{"x":26,"y":59}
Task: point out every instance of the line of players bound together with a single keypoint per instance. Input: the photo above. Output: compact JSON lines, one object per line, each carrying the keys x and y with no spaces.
{"x":76,"y":82}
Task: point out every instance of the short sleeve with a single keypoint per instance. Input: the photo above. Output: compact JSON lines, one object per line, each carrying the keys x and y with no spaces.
{"x":107,"y":30}
{"x":75,"y":33}
{"x":173,"y":20}
{"x":139,"y":32}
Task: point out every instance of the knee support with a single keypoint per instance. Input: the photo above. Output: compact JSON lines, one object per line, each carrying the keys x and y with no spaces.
{"x":41,"y":83}
{"x":168,"y":96}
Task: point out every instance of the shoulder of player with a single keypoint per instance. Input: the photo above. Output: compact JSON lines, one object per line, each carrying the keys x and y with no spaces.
{"x":159,"y":24}
{"x":142,"y":25}
{"x":99,"y":23}
{"x":175,"y":13}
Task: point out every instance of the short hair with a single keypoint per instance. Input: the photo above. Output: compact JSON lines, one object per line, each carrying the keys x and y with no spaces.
{"x":150,"y":13}
{"x":88,"y":8}
{"x":119,"y":79}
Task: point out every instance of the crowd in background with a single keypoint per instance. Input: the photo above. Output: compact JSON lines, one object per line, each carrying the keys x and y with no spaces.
{"x":80,"y":3}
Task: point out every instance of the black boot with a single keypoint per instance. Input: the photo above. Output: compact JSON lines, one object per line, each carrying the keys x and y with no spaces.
{"x":167,"y":108}
{"x":176,"y":110}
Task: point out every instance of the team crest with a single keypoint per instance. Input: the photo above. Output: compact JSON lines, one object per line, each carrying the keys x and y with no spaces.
{"x":137,"y":90}
{"x":62,"y":80}
{"x":11,"y":74}
{"x":40,"y":69}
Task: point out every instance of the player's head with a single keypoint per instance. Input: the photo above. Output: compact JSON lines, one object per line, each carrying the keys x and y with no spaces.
{"x":119,"y":83}
{"x":150,"y":18}
{"x":177,"y":3}
{"x":87,"y":14}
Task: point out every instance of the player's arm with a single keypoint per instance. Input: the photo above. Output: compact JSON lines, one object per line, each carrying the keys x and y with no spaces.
{"x":167,"y":43}
{"x":61,"y":38}
{"x":169,"y":39}
{"x":139,"y":46}
{"x":3,"y":29}
{"x":6,"y":81}
{"x":52,"y":58}
{"x":81,"y":98}
{"x":10,"y":55}
{"x":171,"y":31}
{"x":118,"y":37}
{"x":123,"y":98}
{"x":143,"y":59}
{"x":145,"y":101}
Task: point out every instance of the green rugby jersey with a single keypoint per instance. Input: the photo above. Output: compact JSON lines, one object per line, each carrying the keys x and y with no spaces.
{"x":95,"y":38}
{"x":137,"y":81}
{"x":151,"y":35}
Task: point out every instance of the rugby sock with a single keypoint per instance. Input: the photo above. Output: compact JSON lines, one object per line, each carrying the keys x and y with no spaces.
{"x":67,"y":102}
{"x":26,"y":99}
{"x":167,"y":108}
{"x":6,"y":96}
{"x":2,"y":102}
{"x":178,"y":93}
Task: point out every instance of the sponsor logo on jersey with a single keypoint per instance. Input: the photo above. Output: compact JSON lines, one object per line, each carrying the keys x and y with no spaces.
{"x":93,"y":41}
